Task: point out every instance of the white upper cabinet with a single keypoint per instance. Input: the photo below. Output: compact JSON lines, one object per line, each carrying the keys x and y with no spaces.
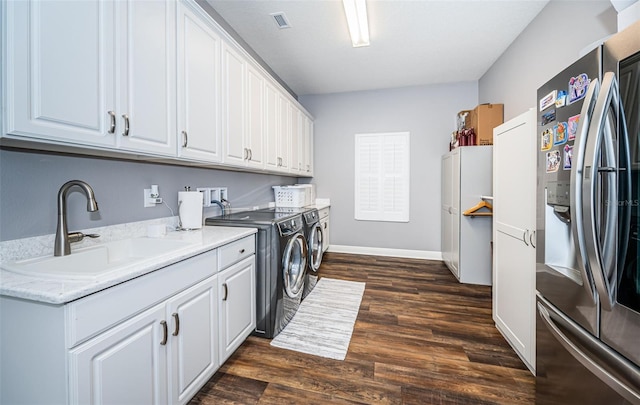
{"x":284,"y":133}
{"x":199,"y":118}
{"x":243,"y":111}
{"x":255,"y":118}
{"x":296,"y":139}
{"x":233,"y":78}
{"x":93,"y":73}
{"x":60,"y":75}
{"x":271,"y":127}
{"x":146,"y":40}
{"x":307,"y":147}
{"x":149,"y":79}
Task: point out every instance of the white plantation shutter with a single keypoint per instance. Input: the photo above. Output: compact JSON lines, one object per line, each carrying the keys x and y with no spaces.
{"x":382,"y":177}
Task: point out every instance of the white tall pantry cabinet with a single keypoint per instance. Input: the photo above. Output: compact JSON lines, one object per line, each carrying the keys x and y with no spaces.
{"x":466,"y":248}
{"x":514,"y":260}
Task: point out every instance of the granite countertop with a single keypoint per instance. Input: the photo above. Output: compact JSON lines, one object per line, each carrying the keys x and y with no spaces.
{"x":57,"y":291}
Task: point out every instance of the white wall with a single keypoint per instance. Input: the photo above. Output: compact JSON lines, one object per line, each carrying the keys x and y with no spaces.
{"x":428,"y":113}
{"x":551,"y":42}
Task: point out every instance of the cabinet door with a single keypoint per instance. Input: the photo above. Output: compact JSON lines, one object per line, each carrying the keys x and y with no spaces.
{"x":307,"y":147}
{"x":198,"y":86}
{"x":514,"y":182}
{"x":271,"y":127}
{"x":237,"y":289}
{"x":125,"y":365}
{"x":455,"y":213}
{"x":255,"y":112}
{"x":445,"y":209}
{"x":324,"y":223}
{"x":285,"y":133}
{"x":60,"y":70}
{"x":233,"y":83}
{"x":147,"y":96}
{"x":296,"y":139}
{"x":514,"y":293}
{"x":193,"y":319}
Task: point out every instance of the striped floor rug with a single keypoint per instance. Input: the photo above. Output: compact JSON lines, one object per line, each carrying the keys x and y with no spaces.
{"x":323,"y":324}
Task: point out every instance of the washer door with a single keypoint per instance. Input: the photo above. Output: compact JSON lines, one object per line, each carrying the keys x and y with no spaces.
{"x":294,"y":264}
{"x":315,"y":247}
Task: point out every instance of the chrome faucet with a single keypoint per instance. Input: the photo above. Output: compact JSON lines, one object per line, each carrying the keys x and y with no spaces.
{"x":223,"y":204}
{"x":62,"y":245}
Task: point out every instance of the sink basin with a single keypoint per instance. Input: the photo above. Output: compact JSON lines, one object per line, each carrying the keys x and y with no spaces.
{"x":96,"y":261}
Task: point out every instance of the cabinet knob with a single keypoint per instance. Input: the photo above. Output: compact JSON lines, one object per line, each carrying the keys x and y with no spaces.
{"x":242,"y":251}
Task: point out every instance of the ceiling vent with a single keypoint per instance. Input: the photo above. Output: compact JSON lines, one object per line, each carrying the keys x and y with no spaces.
{"x":281,"y":20}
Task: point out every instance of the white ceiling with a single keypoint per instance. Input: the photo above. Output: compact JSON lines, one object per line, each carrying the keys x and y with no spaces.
{"x":415,"y":42}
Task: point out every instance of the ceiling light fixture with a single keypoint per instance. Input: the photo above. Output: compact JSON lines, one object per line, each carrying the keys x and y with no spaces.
{"x":356,"y":12}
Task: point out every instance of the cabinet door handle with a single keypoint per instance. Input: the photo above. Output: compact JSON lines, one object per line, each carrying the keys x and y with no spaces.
{"x":185,"y":139}
{"x":246,"y":153}
{"x":165,"y":332}
{"x":250,"y":154}
{"x":112,"y":128}
{"x":176,"y":319}
{"x":325,"y":225}
{"x":226,"y":291}
{"x":525,"y":234}
{"x":126,"y":125}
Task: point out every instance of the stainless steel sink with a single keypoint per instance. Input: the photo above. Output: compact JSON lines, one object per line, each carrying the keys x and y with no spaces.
{"x":97,"y":261}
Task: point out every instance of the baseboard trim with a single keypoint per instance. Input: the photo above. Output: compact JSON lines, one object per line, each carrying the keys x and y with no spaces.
{"x":374,"y":251}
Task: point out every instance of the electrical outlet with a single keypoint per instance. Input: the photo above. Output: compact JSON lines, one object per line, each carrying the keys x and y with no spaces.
{"x":150,"y":201}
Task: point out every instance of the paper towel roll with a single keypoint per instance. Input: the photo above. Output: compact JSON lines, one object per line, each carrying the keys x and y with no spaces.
{"x":190,"y":209}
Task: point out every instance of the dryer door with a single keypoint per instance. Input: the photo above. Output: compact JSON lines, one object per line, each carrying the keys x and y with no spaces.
{"x":294,"y":264}
{"x":315,"y":247}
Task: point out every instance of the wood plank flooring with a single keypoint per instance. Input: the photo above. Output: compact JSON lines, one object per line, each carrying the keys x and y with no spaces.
{"x":420,"y":338}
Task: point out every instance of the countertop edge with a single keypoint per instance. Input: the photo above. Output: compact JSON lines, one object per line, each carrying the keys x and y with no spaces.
{"x":57,"y":292}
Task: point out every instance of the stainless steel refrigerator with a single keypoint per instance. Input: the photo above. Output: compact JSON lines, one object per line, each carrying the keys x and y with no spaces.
{"x":588,"y":223}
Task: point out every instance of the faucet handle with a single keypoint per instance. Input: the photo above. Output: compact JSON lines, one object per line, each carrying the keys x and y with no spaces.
{"x":78,"y":236}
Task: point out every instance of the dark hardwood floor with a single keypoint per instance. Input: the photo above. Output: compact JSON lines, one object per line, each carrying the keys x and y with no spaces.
{"x":420,"y":338}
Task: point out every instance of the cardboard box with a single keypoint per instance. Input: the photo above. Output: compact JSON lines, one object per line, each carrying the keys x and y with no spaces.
{"x":483,"y":119}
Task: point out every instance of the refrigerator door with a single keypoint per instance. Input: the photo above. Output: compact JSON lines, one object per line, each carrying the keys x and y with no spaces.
{"x":566,"y":105}
{"x":620,"y":317}
{"x":576,"y":367}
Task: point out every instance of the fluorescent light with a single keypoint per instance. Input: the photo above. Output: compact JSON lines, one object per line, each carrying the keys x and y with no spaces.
{"x":356,"y":12}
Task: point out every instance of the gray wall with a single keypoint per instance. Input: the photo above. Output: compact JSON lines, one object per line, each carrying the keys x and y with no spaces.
{"x":29,"y":183}
{"x":543,"y":49}
{"x":428,"y":113}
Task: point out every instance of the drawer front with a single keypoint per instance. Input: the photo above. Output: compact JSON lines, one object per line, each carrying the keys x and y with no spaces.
{"x":323,"y":213}
{"x":236,"y":251}
{"x":97,"y":312}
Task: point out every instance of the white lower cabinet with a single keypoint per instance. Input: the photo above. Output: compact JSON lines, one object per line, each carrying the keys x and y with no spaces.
{"x":167,"y":352}
{"x":237,"y":305}
{"x":193,"y":342}
{"x":323,"y":215}
{"x":126,"y":365}
{"x":155,"y":339}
